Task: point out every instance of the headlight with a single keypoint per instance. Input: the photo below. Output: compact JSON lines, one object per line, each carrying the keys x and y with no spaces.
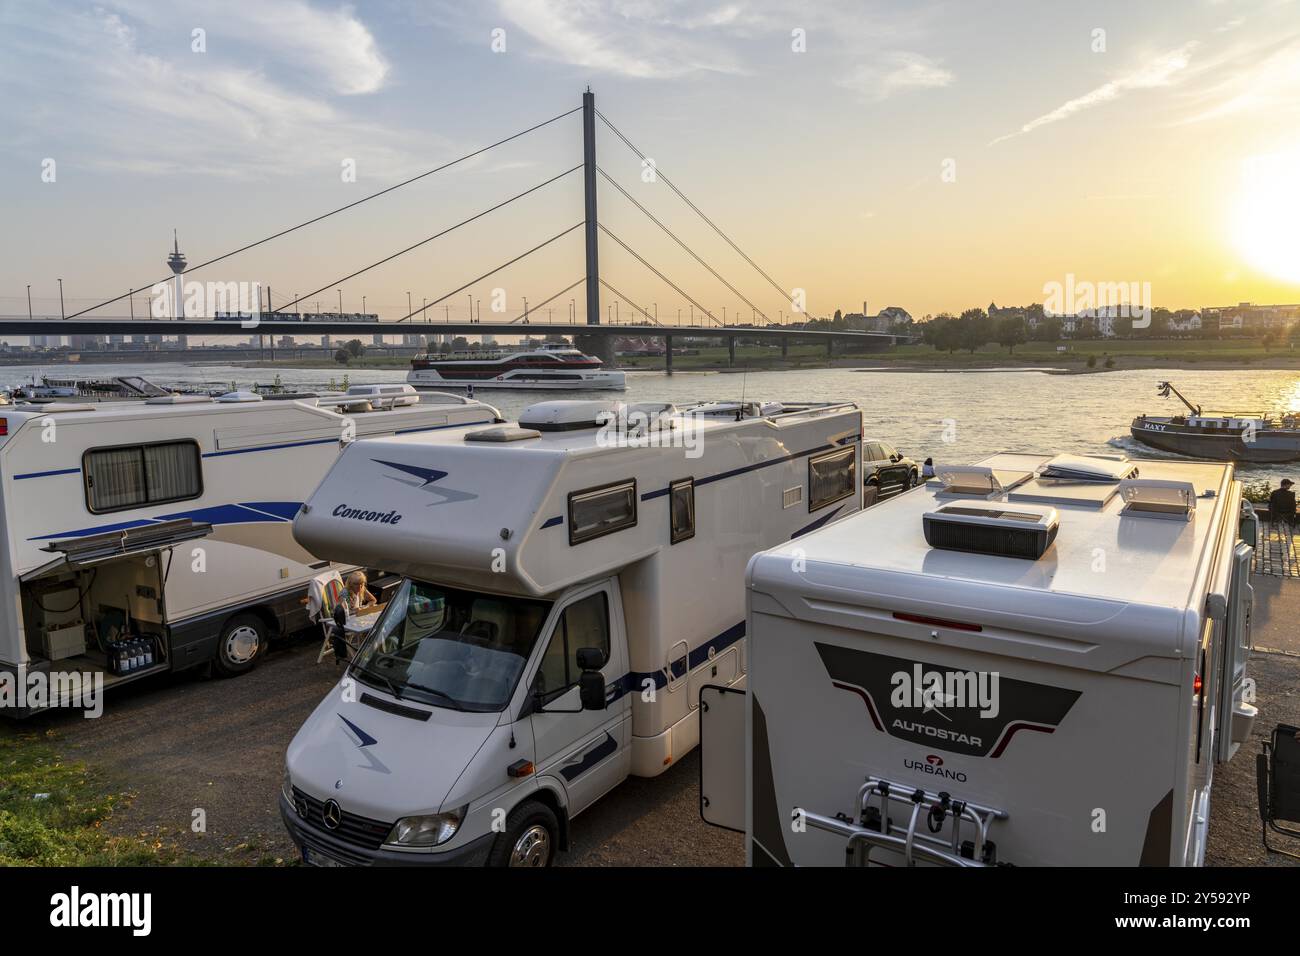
{"x":286,"y":785}
{"x":429,"y":830}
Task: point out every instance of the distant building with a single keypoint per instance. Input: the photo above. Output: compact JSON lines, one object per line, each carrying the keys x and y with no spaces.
{"x":1249,"y":317}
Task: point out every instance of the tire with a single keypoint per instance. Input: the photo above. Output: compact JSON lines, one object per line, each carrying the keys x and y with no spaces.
{"x":531,"y":837}
{"x":242,"y":641}
{"x":911,"y":481}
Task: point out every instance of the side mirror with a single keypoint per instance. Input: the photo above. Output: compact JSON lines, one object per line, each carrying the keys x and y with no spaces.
{"x":591,"y":682}
{"x":590,"y":658}
{"x":591,"y":690}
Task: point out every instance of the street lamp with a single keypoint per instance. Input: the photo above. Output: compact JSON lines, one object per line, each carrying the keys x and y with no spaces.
{"x":409,"y":310}
{"x":29,"y":301}
{"x":62,"y":313}
{"x":340,"y":291}
{"x":471,"y":309}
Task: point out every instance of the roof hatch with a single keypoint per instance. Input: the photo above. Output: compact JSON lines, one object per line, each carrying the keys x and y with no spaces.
{"x":981,"y":527}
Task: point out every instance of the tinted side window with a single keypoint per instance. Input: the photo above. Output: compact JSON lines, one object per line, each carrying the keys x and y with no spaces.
{"x":584,"y":623}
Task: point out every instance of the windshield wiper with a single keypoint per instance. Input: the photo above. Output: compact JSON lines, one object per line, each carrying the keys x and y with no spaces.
{"x":392,"y":688}
{"x":455,"y":704}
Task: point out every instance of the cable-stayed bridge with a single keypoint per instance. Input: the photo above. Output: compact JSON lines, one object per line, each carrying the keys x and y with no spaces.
{"x":591,"y":335}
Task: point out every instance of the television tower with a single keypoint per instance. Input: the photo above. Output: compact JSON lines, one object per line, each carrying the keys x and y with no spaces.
{"x":177,"y":263}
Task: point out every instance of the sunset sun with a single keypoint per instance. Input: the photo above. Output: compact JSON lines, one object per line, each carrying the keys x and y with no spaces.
{"x":1266,"y":216}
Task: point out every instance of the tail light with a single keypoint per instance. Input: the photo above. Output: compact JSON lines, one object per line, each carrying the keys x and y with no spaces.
{"x":1196,"y":684}
{"x":4,"y":427}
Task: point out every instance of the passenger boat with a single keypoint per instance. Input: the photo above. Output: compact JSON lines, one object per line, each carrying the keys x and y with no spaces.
{"x":533,"y":369}
{"x":1248,"y":437}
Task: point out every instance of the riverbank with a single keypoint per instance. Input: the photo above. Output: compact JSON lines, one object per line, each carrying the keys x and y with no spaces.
{"x":1080,"y":358}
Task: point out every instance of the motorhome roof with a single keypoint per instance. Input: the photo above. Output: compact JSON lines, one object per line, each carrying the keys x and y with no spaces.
{"x":1098,"y":552}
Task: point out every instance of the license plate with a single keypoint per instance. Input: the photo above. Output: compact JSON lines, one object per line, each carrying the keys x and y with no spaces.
{"x":316,"y":858}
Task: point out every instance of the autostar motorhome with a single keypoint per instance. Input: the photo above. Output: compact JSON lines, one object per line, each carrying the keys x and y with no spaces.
{"x":154,"y":535}
{"x":570,"y":586}
{"x":1043,"y":666}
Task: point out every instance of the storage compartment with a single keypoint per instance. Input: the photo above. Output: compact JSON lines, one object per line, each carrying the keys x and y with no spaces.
{"x":108,"y":616}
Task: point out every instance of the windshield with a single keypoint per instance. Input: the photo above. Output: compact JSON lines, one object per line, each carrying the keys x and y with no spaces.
{"x":448,"y":647}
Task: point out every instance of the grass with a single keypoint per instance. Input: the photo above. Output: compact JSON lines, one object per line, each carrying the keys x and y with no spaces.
{"x":53,"y":812}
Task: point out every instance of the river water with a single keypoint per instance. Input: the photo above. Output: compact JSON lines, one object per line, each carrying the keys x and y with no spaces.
{"x":980,"y":412}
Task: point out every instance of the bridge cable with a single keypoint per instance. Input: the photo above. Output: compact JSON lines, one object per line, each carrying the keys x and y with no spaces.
{"x":544,"y":302}
{"x":785,"y":294}
{"x":675,"y":239}
{"x":436,"y":235}
{"x":351,"y":205}
{"x":669,"y":281}
{"x":635,"y":307}
{"x":503,"y":265}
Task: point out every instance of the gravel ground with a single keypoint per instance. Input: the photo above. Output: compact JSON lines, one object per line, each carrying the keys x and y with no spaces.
{"x":183,"y":743}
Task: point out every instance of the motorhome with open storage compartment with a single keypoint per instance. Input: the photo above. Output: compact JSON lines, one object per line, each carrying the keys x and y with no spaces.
{"x":572,"y":580}
{"x":154,"y":535}
{"x":1043,"y":667}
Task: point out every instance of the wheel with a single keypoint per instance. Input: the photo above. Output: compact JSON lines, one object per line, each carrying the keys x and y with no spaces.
{"x":530,"y":838}
{"x":243,"y":639}
{"x":910,"y":482}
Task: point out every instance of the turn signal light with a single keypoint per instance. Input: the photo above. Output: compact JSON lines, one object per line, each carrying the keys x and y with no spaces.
{"x":520,"y":768}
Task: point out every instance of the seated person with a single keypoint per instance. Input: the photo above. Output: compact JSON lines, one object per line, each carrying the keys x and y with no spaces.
{"x":1281,"y":503}
{"x":358,"y":596}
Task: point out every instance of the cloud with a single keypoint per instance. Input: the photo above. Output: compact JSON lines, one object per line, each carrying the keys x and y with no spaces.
{"x":642,"y":40}
{"x":1160,"y":71}
{"x":1251,"y":79}
{"x":331,"y":44}
{"x":896,"y":72}
{"x":138,"y":100}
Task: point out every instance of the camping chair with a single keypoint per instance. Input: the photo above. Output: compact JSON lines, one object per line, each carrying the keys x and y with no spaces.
{"x":326,"y":593}
{"x":1277,"y":773}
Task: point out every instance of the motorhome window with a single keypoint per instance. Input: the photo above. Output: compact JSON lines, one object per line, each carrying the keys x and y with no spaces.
{"x":451,"y":648}
{"x":131,"y":476}
{"x":584,"y":623}
{"x":831,"y":477}
{"x":681,"y":508}
{"x":600,"y":511}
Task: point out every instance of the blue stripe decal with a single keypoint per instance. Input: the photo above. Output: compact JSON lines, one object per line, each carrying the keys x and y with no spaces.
{"x":633,"y":682}
{"x":47,"y":474}
{"x":252,"y":512}
{"x":592,"y":757}
{"x":291,"y":444}
{"x":743,"y":471}
{"x":552,"y":522}
{"x":817,"y":524}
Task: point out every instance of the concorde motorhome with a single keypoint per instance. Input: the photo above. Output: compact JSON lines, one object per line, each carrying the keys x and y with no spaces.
{"x":570,"y":587}
{"x":155,"y":535}
{"x":1055,"y":663}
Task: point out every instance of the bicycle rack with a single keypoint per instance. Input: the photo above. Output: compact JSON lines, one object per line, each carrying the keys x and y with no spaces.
{"x":874,"y":827}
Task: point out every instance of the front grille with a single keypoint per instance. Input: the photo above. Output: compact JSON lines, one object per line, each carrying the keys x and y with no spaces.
{"x":356,"y":830}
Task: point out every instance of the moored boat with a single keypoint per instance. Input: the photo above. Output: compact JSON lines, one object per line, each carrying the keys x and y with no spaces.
{"x":545,"y":368}
{"x":1250,"y":437}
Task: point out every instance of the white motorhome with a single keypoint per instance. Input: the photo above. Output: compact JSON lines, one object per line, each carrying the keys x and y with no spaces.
{"x":572,"y":581}
{"x":143,"y":536}
{"x":1031,"y":661}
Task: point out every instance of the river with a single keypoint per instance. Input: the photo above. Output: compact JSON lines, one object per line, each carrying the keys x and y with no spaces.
{"x":980,"y":412}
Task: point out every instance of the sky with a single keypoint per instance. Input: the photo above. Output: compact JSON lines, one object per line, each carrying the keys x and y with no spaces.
{"x":928,"y":155}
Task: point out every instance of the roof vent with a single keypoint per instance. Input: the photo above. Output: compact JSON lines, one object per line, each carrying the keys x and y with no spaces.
{"x":981,"y":528}
{"x":239,"y":396}
{"x":396,"y":395}
{"x":1155,"y":498}
{"x":568,"y":416}
{"x":505,"y":433}
{"x":178,"y":399}
{"x":977,"y":481}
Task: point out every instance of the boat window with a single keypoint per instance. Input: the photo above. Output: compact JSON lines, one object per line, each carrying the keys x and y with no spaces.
{"x":131,"y":476}
{"x":681,"y":508}
{"x":601,"y":511}
{"x":449,"y":647}
{"x":831,"y":477}
{"x":584,"y":623}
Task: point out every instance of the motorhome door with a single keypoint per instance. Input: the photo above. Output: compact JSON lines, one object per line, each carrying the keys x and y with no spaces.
{"x":88,"y":550}
{"x":587,"y":750}
{"x":1236,"y":712}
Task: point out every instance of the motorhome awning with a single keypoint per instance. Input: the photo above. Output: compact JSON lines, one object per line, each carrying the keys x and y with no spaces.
{"x":74,"y":553}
